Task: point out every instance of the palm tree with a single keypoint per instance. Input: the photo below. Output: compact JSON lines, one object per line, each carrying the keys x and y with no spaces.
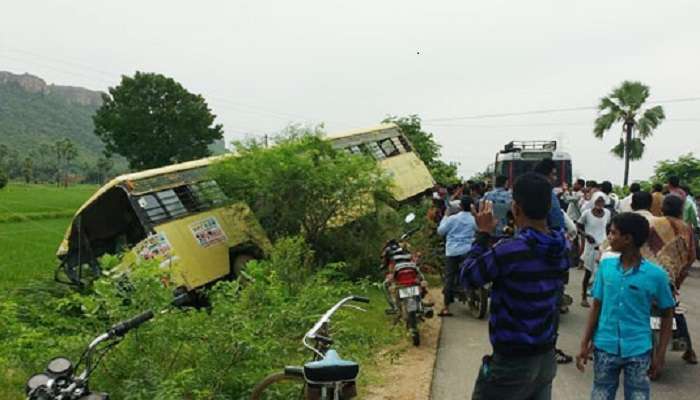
{"x":624,"y":105}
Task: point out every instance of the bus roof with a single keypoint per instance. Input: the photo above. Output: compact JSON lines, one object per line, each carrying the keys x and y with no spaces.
{"x":134,"y":176}
{"x":363,"y":131}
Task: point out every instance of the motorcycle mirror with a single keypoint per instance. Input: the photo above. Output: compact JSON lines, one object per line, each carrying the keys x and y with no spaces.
{"x":410,"y":218}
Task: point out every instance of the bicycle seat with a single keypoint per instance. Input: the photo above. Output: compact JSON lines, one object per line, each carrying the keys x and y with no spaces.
{"x":331,"y":369}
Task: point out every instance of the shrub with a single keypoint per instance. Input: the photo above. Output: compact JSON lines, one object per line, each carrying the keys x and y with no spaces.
{"x":215,"y":353}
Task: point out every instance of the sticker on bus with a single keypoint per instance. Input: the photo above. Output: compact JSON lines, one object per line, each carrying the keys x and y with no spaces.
{"x":208,"y":232}
{"x":156,"y":245}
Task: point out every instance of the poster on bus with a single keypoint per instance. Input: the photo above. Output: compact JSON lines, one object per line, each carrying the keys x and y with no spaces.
{"x":156,"y":245}
{"x":208,"y":232}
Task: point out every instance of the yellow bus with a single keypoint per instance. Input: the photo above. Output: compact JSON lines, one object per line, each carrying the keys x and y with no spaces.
{"x":394,"y":153}
{"x":175,"y":214}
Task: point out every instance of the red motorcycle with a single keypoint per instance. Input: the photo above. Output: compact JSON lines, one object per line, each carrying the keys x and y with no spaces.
{"x":405,"y":286}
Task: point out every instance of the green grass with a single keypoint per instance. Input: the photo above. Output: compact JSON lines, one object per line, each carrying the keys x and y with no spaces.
{"x":33,"y":220}
{"x":28,"y":250}
{"x":21,"y":198}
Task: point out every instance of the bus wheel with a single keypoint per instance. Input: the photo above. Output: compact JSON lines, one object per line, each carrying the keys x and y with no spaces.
{"x":238,"y":267}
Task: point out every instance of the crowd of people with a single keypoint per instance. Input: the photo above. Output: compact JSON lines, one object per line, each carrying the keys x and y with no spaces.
{"x":635,"y":251}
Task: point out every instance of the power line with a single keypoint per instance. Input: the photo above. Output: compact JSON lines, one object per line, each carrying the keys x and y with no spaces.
{"x":548,"y":111}
{"x":238,"y":106}
{"x":539,"y":124}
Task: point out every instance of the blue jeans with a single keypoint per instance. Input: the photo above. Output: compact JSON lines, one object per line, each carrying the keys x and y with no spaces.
{"x":607,"y":368}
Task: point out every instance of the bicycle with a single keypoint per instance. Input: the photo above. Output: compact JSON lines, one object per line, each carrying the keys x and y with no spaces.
{"x":327,"y":376}
{"x":60,"y":382}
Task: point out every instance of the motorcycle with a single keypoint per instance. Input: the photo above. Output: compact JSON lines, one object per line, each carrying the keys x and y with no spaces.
{"x":60,"y":381}
{"x":678,"y":344}
{"x":477,"y":300}
{"x":405,"y":286}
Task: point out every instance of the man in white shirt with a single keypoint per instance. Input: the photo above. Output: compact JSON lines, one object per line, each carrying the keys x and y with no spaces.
{"x":626,"y":203}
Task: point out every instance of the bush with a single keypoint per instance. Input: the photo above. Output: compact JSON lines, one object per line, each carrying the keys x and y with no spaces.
{"x":215,"y":353}
{"x":302,"y":186}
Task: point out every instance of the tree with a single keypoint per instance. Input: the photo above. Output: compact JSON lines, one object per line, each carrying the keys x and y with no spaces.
{"x":687,"y":168}
{"x":624,"y":106}
{"x":301,"y":186}
{"x":3,"y":178}
{"x":65,"y":152}
{"x":153,"y":121}
{"x":427,"y":148}
{"x":28,"y":170}
{"x":4,"y":153}
{"x":104,"y":167}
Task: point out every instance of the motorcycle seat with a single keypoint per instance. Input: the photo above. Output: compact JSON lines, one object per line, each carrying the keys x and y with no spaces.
{"x":401,"y":258}
{"x":404,"y":265}
{"x":331,"y":369}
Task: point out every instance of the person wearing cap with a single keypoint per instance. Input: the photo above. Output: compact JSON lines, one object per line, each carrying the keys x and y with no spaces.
{"x":459,"y":231}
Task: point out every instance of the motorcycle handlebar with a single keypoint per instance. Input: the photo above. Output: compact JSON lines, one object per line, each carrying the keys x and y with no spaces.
{"x":123,"y":327}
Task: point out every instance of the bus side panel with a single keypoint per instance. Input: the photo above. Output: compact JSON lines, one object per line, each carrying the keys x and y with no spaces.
{"x":411,"y":176}
{"x":206,"y":259}
{"x":196,"y":265}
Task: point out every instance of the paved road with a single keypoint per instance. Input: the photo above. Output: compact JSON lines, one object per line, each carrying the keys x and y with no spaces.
{"x":464,"y":341}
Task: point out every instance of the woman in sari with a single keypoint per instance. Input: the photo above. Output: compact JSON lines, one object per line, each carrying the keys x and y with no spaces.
{"x":671,"y":246}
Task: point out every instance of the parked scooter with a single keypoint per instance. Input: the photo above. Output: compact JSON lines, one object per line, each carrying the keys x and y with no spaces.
{"x":405,"y":286}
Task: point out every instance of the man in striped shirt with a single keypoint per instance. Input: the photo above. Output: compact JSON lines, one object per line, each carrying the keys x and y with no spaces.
{"x":527,"y":275}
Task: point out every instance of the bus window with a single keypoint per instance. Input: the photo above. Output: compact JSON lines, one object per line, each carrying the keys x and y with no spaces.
{"x":201,"y":196}
{"x":376,"y":151}
{"x":388,"y":147}
{"x":162,"y":206}
{"x":405,"y":143}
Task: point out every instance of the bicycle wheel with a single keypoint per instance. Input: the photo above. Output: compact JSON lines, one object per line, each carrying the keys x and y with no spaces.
{"x":261,"y":392}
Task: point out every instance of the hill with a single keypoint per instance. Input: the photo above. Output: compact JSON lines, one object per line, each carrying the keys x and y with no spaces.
{"x":33,"y":112}
{"x":34,"y":115}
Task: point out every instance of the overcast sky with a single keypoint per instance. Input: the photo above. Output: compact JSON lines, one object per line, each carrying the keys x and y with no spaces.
{"x":264,"y":64}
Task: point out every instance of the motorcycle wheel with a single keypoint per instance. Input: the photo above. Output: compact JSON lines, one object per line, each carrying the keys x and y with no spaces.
{"x":412,"y":324}
{"x":478,"y":303}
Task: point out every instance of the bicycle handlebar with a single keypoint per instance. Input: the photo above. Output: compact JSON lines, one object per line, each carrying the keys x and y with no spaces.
{"x":360,"y":299}
{"x":312,"y":333}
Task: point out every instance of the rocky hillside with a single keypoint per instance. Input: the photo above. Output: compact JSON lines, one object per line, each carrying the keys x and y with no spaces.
{"x":33,"y":112}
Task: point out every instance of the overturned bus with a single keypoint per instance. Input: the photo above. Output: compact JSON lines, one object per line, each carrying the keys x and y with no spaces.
{"x":394,"y":153}
{"x":176,"y":214}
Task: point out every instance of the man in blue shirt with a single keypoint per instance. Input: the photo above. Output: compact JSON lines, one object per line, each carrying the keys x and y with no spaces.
{"x":526,"y":271}
{"x":459,"y":231}
{"x":618,"y":331}
{"x":501,"y":198}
